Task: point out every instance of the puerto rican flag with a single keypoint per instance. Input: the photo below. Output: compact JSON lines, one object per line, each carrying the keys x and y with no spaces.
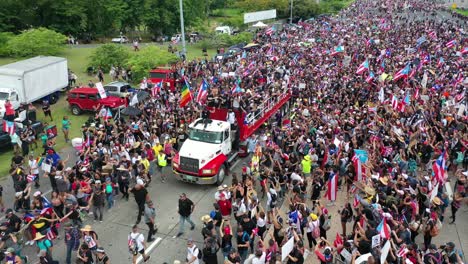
{"x":9,"y":127}
{"x":451,"y":44}
{"x":459,"y":79}
{"x":332,"y":190}
{"x":202,"y":91}
{"x":156,"y":89}
{"x":31,"y":177}
{"x":356,"y":201}
{"x":108,"y":114}
{"x":269,"y":31}
{"x":339,"y":49}
{"x":439,"y":167}
{"x":394,"y":102}
{"x":370,"y":78}
{"x":402,"y":251}
{"x":51,"y":234}
{"x":464,"y":50}
{"x":403,"y":73}
{"x":358,"y":169}
{"x":383,"y":229}
{"x":363,"y":67}
{"x":433,"y":35}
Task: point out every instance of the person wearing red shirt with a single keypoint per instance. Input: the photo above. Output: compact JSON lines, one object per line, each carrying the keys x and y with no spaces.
{"x":225,"y":206}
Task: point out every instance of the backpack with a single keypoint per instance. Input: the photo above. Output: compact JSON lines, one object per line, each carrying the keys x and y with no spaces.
{"x":132,"y":244}
{"x":273,"y":199}
{"x":316,"y":232}
{"x":200,"y":253}
{"x":326,"y":224}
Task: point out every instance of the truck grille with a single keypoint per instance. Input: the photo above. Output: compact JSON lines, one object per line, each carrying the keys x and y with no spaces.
{"x":189,"y":164}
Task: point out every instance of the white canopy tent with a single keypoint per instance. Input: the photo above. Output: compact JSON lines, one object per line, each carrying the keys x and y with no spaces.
{"x":260,"y":24}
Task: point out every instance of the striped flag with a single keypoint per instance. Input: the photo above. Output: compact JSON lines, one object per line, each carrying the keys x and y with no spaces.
{"x":236,"y":87}
{"x":332,"y":190}
{"x":383,"y":229}
{"x":108,"y":114}
{"x":339,"y":49}
{"x":186,"y":94}
{"x":51,"y":234}
{"x":402,"y":251}
{"x":464,"y":50}
{"x":363,"y":67}
{"x":370,"y":78}
{"x":156,"y":89}
{"x":439,"y":168}
{"x":441,"y":62}
{"x":9,"y":127}
{"x":356,"y":201}
{"x":202,"y":91}
{"x":360,"y":171}
{"x":338,"y":240}
{"x":451,"y":44}
{"x":269,"y":31}
{"x":30,"y":178}
{"x":403,"y":73}
{"x":394,"y":102}
{"x":433,"y":35}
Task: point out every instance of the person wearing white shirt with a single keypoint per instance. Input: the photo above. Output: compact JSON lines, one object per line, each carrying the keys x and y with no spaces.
{"x":34,"y":170}
{"x":222,"y":190}
{"x":297,"y":177}
{"x":260,"y":257}
{"x":192,"y":252}
{"x":139,"y":240}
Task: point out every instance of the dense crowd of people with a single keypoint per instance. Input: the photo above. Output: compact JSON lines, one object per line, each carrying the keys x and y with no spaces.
{"x":378,"y":108}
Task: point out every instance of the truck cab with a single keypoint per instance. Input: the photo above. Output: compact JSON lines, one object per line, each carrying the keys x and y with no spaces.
{"x":167,"y":76}
{"x":205,"y":153}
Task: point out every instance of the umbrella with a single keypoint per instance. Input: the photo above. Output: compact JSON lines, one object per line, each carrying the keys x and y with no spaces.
{"x":142,"y":95}
{"x":131,"y":111}
{"x":251,"y":45}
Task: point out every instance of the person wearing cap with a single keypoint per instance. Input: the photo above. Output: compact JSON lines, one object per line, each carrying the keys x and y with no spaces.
{"x":225,"y":206}
{"x":11,"y":257}
{"x":185,"y":209}
{"x":141,"y":196}
{"x":150,"y":215}
{"x":97,"y":200}
{"x":101,"y":256}
{"x":226,"y":237}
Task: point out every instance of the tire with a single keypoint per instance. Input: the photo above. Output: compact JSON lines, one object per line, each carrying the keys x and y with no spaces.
{"x":221,"y":175}
{"x":75,"y":110}
{"x":54,"y":98}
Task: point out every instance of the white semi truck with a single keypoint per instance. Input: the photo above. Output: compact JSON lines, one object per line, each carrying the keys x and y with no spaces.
{"x":31,"y":80}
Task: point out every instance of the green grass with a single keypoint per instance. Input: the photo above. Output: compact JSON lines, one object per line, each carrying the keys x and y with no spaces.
{"x":463,"y":12}
{"x":227,"y":12}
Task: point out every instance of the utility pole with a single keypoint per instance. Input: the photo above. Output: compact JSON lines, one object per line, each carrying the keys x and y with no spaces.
{"x":291,"y":16}
{"x":182,"y":30}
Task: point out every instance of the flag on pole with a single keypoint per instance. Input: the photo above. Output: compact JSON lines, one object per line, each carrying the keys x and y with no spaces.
{"x":441,"y":62}
{"x":202,"y":91}
{"x":269,"y":31}
{"x":30,"y":178}
{"x":108,"y":114}
{"x":363,"y":67}
{"x":402,"y":251}
{"x":51,"y":235}
{"x":186,"y":94}
{"x":381,"y":95}
{"x":370,"y":78}
{"x":332,"y":186}
{"x":236,"y":87}
{"x":339,"y":49}
{"x":383,"y":229}
{"x":394,"y":102}
{"x":356,"y":201}
{"x":360,"y":171}
{"x":9,"y":127}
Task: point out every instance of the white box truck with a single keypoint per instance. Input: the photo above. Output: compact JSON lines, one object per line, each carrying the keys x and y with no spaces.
{"x":31,"y":80}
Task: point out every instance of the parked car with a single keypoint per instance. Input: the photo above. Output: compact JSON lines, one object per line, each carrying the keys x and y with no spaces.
{"x":5,"y":139}
{"x":88,"y":99}
{"x":119,"y":89}
{"x":121,"y":39}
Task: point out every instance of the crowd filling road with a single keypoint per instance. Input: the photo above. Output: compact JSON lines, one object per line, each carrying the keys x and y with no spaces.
{"x":378,"y":109}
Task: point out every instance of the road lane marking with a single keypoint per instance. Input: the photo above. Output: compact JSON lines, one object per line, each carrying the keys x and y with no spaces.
{"x":149,"y":249}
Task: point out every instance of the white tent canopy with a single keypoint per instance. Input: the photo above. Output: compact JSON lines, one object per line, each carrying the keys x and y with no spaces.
{"x":260,"y":24}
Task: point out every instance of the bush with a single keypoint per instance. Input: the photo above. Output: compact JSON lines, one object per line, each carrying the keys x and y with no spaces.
{"x":108,"y":55}
{"x":33,"y":42}
{"x":4,"y":38}
{"x":148,"y":58}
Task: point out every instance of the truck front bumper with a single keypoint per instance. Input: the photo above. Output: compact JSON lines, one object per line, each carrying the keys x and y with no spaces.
{"x":202,"y":180}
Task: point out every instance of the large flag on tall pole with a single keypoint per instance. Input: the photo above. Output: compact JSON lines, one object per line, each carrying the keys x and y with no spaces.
{"x":332,"y":190}
{"x":202,"y":91}
{"x":186,"y":94}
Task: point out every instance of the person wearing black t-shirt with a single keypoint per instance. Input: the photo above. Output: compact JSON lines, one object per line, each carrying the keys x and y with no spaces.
{"x":141,"y":196}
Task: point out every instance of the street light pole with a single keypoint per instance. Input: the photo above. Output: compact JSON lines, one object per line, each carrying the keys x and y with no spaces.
{"x":291,"y":18}
{"x":182,"y":30}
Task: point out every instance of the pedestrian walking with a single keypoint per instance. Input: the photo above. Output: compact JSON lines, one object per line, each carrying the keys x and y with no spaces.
{"x":72,"y":240}
{"x":192,"y":252}
{"x":66,"y":124}
{"x":97,"y":200}
{"x":150,"y":214}
{"x":186,"y":207}
{"x":141,"y":196}
{"x":46,"y":109}
{"x":137,"y":245}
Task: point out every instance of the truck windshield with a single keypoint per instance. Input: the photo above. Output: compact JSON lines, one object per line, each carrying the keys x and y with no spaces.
{"x":4,"y":96}
{"x":157,"y":75}
{"x":206,"y":136}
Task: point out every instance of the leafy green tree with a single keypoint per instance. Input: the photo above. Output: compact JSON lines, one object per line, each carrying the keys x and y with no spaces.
{"x":40,"y":41}
{"x":4,"y":38}
{"x":109,"y":54}
{"x":148,"y":58}
{"x":306,"y":9}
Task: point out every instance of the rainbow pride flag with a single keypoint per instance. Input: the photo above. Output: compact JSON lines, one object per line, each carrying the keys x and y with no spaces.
{"x":186,"y":94}
{"x":39,"y":161}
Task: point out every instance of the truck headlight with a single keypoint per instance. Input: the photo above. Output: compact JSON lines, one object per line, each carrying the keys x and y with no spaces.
{"x":207,"y":171}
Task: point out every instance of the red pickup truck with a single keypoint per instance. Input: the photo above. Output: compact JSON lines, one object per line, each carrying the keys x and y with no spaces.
{"x":88,"y":99}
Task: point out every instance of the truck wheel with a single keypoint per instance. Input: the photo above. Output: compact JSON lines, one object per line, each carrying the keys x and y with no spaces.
{"x":75,"y":110}
{"x":221,"y":175}
{"x":54,"y":98}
